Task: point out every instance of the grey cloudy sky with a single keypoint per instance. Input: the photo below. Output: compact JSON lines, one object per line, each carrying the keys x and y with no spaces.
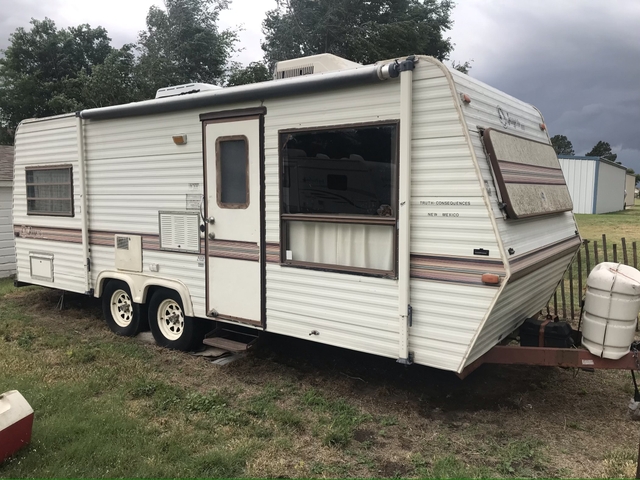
{"x":578,"y":61}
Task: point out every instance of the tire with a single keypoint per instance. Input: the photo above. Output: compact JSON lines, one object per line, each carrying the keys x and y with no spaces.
{"x":169,"y":325}
{"x":123,"y":316}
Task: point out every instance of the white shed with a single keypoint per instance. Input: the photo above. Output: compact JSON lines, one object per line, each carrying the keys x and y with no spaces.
{"x":630,"y":191}
{"x":596,"y":185}
{"x":7,"y":249}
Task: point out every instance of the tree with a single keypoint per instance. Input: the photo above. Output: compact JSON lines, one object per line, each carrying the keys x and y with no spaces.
{"x":462,"y":67}
{"x":562,"y":145}
{"x":603,"y":150}
{"x":364,"y":32}
{"x":44,"y":69}
{"x":253,"y":73}
{"x":182,"y":44}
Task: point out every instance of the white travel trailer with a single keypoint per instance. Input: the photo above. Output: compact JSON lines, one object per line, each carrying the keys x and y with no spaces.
{"x":401,"y":209}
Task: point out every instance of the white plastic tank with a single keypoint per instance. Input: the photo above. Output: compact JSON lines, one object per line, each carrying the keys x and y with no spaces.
{"x":611,"y":309}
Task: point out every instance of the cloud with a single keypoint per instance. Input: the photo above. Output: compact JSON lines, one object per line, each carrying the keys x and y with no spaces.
{"x":18,"y":13}
{"x":575,"y":61}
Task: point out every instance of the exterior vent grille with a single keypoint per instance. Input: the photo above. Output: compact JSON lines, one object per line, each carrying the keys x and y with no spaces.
{"x":296,"y":72}
{"x":122,"y":243}
{"x":180,"y":231}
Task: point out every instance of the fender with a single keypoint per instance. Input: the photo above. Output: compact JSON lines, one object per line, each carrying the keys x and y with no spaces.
{"x":139,"y":285}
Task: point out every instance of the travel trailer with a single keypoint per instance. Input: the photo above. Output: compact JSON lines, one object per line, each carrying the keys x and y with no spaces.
{"x":402,"y":209}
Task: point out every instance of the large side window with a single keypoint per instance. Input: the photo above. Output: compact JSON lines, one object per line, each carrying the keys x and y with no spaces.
{"x":339,"y":191}
{"x":50,"y":191}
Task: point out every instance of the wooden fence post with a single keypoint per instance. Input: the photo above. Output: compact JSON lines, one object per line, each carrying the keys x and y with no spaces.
{"x":580,"y":276}
{"x":625,"y":257}
{"x":587,"y":258}
{"x":615,"y":253}
{"x":605,"y":254}
{"x":571,"y":290}
{"x":634,"y":247}
{"x":595,"y":252}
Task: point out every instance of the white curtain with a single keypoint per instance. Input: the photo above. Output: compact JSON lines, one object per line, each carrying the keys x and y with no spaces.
{"x":365,"y":246}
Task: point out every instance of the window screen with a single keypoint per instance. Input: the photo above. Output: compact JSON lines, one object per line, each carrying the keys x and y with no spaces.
{"x":340,"y":171}
{"x":528,"y":175}
{"x":233,"y":175}
{"x":49,"y":191}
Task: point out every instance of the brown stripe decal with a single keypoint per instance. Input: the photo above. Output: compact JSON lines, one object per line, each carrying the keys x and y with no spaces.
{"x":236,"y":250}
{"x":273,"y":252}
{"x":96,"y":237}
{"x":524,"y":173}
{"x":524,"y":264}
{"x":47,"y":233}
{"x":454,"y":269}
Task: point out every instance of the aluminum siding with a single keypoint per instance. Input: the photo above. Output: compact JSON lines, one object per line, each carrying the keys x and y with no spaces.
{"x":51,"y":141}
{"x":519,"y":300}
{"x":523,"y":235}
{"x":610,"y":188}
{"x":630,"y":188}
{"x":7,"y":246}
{"x":446,"y":316}
{"x":580,"y":178}
{"x":346,"y":310}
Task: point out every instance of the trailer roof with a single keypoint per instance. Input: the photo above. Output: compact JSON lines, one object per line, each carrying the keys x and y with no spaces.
{"x":243,"y":93}
{"x":592,"y":158}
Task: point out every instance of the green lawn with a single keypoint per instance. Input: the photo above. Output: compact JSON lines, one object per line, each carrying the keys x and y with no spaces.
{"x":615,"y":225}
{"x":108,"y":406}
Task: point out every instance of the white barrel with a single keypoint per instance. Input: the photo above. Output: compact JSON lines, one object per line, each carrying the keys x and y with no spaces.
{"x":611,"y":309}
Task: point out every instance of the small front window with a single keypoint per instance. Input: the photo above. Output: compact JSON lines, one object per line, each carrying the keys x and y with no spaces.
{"x":50,"y":191}
{"x":232,"y":172}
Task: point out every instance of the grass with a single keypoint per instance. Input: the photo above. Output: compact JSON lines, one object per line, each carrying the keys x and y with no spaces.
{"x":109,"y":406}
{"x":616,"y":225}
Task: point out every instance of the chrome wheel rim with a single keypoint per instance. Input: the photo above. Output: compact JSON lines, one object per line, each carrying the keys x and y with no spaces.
{"x":121,"y":308}
{"x":170,"y":319}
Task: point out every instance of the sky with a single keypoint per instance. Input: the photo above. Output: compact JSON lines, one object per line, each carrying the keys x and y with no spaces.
{"x":578,"y":61}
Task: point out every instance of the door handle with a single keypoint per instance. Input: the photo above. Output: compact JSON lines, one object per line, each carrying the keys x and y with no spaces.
{"x":212,"y":236}
{"x":211,"y":220}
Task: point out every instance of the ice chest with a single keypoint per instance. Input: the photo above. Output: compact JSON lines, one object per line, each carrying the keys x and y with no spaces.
{"x":552,"y":334}
{"x":16,"y":423}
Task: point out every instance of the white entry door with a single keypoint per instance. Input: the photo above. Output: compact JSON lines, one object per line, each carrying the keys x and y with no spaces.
{"x":232,"y":159}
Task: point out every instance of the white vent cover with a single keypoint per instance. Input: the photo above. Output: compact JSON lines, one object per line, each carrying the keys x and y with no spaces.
{"x":128,"y":252}
{"x":184,"y":89}
{"x":180,"y":231}
{"x":322,"y":63}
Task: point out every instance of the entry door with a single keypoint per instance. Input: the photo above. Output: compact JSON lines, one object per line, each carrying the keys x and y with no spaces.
{"x":232,"y":156}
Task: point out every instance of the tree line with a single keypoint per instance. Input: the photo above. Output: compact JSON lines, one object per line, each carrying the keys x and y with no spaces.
{"x":563,"y":146}
{"x":48,"y":70}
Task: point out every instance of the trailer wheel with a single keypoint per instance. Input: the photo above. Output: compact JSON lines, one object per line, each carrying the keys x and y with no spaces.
{"x":123,"y":316}
{"x":169,"y":325}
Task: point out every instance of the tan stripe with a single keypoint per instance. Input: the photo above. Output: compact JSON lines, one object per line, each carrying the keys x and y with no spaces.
{"x":236,"y":250}
{"x":454,"y":269}
{"x":273,"y":252}
{"x":529,"y":262}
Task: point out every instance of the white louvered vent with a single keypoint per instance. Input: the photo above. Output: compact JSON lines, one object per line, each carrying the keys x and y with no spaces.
{"x":180,"y":231}
{"x":295,"y":72}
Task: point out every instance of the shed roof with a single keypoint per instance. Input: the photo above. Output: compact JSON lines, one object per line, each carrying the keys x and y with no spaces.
{"x":592,"y":158}
{"x":6,"y":163}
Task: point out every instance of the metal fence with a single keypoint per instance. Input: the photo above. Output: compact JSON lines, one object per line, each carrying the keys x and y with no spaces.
{"x":566,"y":300}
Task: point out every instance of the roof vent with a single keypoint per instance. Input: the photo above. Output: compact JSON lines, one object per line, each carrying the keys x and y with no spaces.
{"x":323,"y":63}
{"x":185,"y":89}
